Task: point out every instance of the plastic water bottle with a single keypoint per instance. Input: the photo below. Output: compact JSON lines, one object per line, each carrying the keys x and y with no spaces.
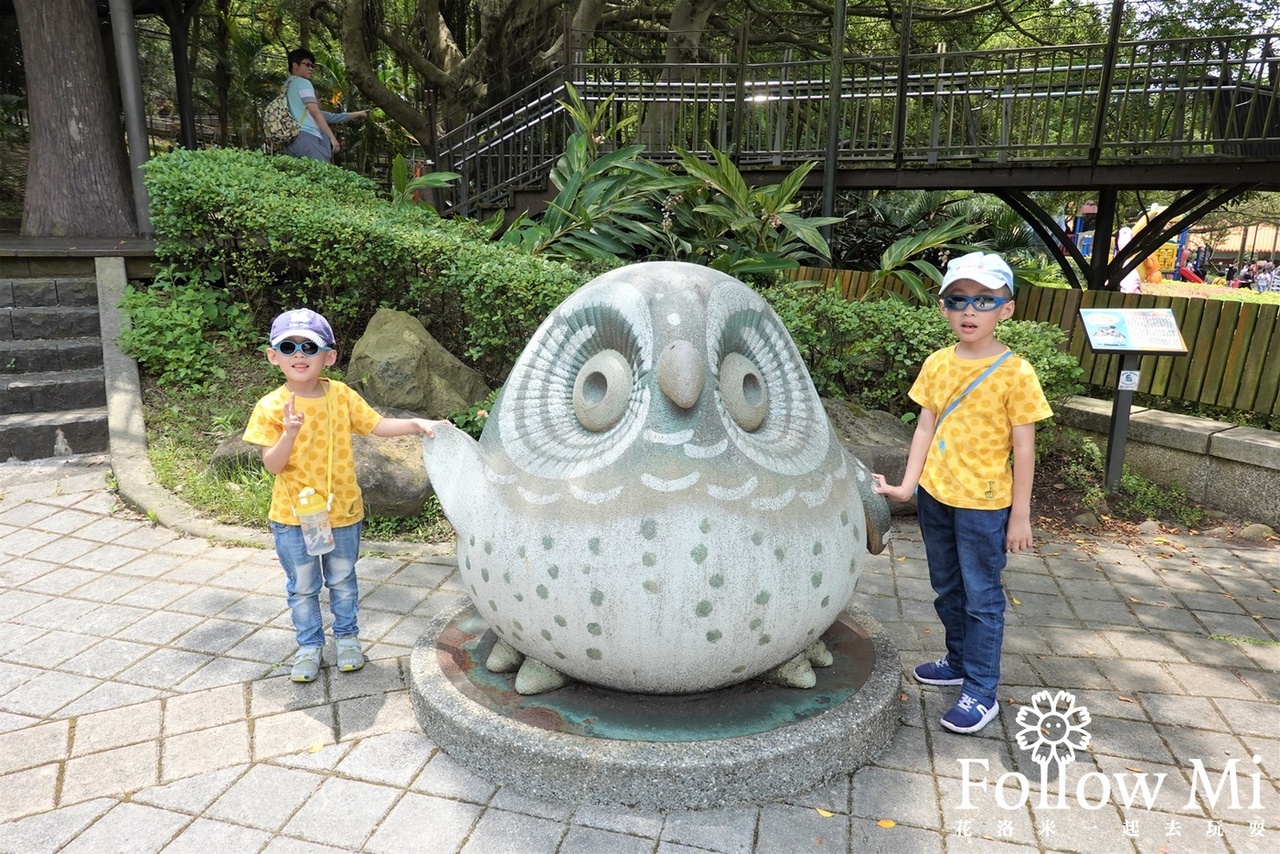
{"x":313,"y":514}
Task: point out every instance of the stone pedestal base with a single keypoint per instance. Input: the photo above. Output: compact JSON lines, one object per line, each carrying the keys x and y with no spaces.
{"x":583,"y":744}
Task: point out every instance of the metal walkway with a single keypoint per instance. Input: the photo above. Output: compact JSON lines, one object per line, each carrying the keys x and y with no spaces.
{"x":1196,"y":115}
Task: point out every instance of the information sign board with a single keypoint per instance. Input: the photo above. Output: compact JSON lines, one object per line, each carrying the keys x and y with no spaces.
{"x":1132,"y":330}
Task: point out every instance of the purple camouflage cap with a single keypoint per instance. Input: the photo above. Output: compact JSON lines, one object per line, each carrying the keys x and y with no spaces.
{"x":301,"y":323}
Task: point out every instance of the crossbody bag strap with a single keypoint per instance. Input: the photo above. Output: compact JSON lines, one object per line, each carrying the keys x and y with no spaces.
{"x":972,"y":386}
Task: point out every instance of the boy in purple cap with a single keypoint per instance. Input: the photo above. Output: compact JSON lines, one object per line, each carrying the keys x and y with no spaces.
{"x":304,"y":428}
{"x":978,"y":402}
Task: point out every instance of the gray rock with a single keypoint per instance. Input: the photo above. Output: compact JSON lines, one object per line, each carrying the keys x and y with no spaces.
{"x":397,"y":363}
{"x":1086,"y":520}
{"x":391,"y":472}
{"x":1150,"y":527}
{"x":882,"y":441}
{"x":1257,"y":531}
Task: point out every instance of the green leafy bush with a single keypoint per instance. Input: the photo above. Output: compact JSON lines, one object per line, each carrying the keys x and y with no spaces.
{"x":871,"y":351}
{"x":283,"y":231}
{"x":1080,"y":464}
{"x":474,"y":417}
{"x":179,"y":325}
{"x":1044,"y":346}
{"x":1138,"y":498}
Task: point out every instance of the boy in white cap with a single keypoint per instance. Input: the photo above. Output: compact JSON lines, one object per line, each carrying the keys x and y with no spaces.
{"x":304,"y":428}
{"x":978,"y":402}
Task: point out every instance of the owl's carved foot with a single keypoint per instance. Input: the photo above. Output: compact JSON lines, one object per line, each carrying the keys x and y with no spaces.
{"x":798,"y":672}
{"x":504,"y":658}
{"x":537,"y":678}
{"x":818,"y":654}
{"x":532,"y":676}
{"x":793,"y":673}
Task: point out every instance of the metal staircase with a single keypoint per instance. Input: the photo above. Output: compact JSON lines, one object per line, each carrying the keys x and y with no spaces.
{"x":507,"y":149}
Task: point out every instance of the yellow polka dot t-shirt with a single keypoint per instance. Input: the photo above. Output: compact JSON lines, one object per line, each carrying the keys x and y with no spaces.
{"x":968,"y":463}
{"x":332,"y":417}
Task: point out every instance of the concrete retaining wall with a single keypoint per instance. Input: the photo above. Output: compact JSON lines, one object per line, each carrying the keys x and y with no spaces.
{"x":1230,"y":468}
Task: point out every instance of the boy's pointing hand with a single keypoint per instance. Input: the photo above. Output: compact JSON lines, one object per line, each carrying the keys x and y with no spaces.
{"x":292,"y":419}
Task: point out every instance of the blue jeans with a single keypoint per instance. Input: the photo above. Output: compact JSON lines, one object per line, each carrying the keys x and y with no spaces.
{"x":966,"y":552}
{"x":303,"y":575}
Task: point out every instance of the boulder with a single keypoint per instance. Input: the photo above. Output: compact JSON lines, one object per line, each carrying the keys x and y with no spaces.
{"x":397,"y":363}
{"x":1257,"y":531}
{"x":391,"y":472}
{"x":882,"y":441}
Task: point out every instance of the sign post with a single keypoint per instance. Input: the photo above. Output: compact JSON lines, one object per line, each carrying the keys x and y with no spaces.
{"x":1133,"y":333}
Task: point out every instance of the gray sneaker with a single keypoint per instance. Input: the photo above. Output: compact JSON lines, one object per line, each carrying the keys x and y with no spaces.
{"x":350,"y":656}
{"x":306,"y":664}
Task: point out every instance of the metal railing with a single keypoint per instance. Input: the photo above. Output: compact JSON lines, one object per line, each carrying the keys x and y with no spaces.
{"x":1170,"y":101}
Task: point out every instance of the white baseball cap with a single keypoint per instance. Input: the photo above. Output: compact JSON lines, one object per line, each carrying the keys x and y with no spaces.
{"x":985,"y":268}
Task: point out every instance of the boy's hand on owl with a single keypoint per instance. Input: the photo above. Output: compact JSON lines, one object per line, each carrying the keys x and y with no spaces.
{"x":897,"y":493}
{"x":428,"y":428}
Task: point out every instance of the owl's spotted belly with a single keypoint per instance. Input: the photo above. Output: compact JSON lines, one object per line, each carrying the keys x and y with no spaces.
{"x":667,"y":599}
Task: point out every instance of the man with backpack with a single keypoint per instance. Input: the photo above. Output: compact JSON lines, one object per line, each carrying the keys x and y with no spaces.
{"x":315,"y":137}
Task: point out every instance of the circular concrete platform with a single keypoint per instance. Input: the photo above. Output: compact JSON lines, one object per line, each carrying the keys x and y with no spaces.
{"x":750,"y":742}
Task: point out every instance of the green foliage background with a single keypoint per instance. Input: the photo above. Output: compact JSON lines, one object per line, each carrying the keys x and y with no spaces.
{"x":280,"y":232}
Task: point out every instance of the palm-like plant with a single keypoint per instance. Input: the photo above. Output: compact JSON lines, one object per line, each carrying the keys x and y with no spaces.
{"x":601,"y":211}
{"x":903,"y":261}
{"x":404,"y":190}
{"x":719,"y":221}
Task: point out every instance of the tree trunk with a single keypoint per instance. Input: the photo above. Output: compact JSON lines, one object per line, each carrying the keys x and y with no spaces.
{"x":582,"y":29}
{"x":78,"y":174}
{"x":660,"y":127}
{"x":360,"y":72}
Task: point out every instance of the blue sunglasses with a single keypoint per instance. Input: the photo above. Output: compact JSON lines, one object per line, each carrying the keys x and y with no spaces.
{"x":308,"y":348}
{"x":982,"y":302}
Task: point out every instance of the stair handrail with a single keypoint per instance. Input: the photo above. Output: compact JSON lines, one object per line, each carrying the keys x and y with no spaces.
{"x":475,"y":149}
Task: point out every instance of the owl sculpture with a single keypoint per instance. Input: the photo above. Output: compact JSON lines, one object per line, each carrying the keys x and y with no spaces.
{"x":658,"y":503}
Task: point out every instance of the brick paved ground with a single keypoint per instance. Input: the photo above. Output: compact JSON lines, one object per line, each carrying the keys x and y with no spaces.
{"x":144,"y":707}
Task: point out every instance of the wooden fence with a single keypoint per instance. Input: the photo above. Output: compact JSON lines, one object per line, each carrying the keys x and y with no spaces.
{"x":1233,"y":348}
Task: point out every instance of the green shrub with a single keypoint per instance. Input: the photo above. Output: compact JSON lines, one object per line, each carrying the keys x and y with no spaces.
{"x":871,"y":351}
{"x":179,"y":325}
{"x":474,"y":417}
{"x":1138,"y":498}
{"x":1044,"y":346}
{"x":1080,"y":464}
{"x":283,"y":231}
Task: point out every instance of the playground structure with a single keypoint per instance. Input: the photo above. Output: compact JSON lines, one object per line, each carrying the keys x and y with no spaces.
{"x":1174,"y":258}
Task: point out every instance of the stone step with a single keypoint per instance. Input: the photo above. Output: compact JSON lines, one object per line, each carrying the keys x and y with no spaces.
{"x":30,"y":323}
{"x":40,"y":435}
{"x":68,"y":354}
{"x":52,"y":292}
{"x":52,"y":391}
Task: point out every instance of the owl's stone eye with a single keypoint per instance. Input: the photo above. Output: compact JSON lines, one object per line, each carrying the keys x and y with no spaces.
{"x":743,"y":390}
{"x":602,"y":390}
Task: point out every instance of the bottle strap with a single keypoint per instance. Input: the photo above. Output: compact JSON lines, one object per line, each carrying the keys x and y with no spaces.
{"x":328,"y":416}
{"x":971,"y":387}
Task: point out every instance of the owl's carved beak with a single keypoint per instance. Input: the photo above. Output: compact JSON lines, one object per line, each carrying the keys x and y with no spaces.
{"x":681,"y":373}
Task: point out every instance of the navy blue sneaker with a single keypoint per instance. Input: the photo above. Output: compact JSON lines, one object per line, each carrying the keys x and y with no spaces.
{"x":938,"y":672}
{"x":970,"y":713}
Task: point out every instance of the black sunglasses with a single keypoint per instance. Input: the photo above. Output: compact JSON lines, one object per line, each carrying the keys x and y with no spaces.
{"x":308,"y":348}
